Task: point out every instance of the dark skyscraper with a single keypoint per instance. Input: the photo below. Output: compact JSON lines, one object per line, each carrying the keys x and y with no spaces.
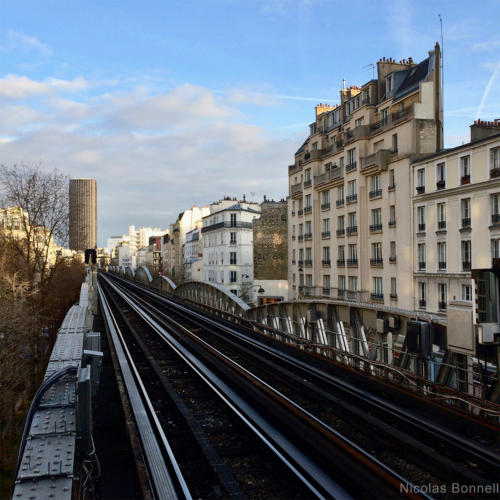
{"x":82,"y":214}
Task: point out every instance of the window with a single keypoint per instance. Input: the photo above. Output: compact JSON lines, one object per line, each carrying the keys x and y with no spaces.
{"x":308,"y":204}
{"x":394,"y":292}
{"x":309,"y":255}
{"x":495,"y":248}
{"x":465,"y":211}
{"x":307,"y":177}
{"x":353,"y":283}
{"x":301,"y":255}
{"x":293,"y":255}
{"x":392,"y":183}
{"x":421,"y":256}
{"x":392,"y":257}
{"x":377,"y":287}
{"x":232,"y":257}
{"x":326,"y":255}
{"x":309,"y":280}
{"x":353,"y":252}
{"x":326,"y":226}
{"x":341,"y":283}
{"x":232,"y":276}
{"x":308,"y":229}
{"x":388,"y":84}
{"x":494,"y":161}
{"x":384,"y":117}
{"x":235,"y":292}
{"x":340,"y":223}
{"x":377,"y":146}
{"x":441,"y":215}
{"x":341,"y":254}
{"x":441,"y":250}
{"x":325,"y":199}
{"x":465,"y":170}
{"x":351,"y":191}
{"x":351,"y":157}
{"x":353,"y":220}
{"x":315,"y":144}
{"x":233,"y":220}
{"x":376,"y":253}
{"x":421,"y":180}
{"x":326,"y":283}
{"x":340,"y":195}
{"x":376,"y":184}
{"x":440,"y":176}
{"x":301,"y":230}
{"x":495,"y":208}
{"x":293,"y":278}
{"x":466,"y":255}
{"x":442,"y":295}
{"x":395,"y":143}
{"x":467,"y":292}
{"x":392,"y":215}
{"x":422,"y":294}
{"x":421,"y":218}
{"x":359,"y":122}
{"x":376,"y":224}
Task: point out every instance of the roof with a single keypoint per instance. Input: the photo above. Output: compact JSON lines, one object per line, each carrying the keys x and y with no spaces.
{"x":412,"y":77}
{"x":302,"y":147}
{"x":456,"y":148}
{"x":236,"y":207}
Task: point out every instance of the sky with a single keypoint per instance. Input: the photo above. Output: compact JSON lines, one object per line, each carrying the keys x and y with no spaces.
{"x":173,"y":103}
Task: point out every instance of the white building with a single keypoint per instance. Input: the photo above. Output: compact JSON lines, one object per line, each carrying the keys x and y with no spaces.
{"x":228,"y":246}
{"x":126,"y":255}
{"x":456,"y":219}
{"x":139,"y":238}
{"x":193,"y":252}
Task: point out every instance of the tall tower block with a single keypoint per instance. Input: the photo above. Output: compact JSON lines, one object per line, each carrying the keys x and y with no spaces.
{"x":82,"y":214}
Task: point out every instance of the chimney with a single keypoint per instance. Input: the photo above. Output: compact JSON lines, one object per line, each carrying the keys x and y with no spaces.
{"x":481,"y":129}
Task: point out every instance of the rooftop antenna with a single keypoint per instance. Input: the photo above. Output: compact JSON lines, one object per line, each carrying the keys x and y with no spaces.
{"x":442,"y":78}
{"x":343,"y":83}
{"x":372,"y":66}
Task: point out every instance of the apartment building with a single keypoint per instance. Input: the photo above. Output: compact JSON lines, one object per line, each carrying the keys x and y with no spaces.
{"x":228,"y":246}
{"x":193,"y":252}
{"x":456,"y":219}
{"x":350,"y":201}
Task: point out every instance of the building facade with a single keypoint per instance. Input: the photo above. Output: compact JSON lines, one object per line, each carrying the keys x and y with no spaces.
{"x":350,"y":186}
{"x":228,"y":246}
{"x":456,"y":219}
{"x":193,"y":253}
{"x":82,"y":214}
{"x":270,"y":253}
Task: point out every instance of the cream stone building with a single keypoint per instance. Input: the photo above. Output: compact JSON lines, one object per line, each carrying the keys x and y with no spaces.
{"x":350,"y":199}
{"x":456,"y":219}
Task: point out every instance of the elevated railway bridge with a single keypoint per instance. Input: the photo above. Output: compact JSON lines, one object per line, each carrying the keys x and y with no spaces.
{"x":155,"y":390}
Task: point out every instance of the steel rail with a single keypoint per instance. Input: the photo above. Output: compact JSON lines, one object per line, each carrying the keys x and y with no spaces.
{"x":470,"y":447}
{"x":314,"y":478}
{"x":151,"y":437}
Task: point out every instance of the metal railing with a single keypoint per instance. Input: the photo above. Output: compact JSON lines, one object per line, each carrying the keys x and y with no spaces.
{"x":375,"y":227}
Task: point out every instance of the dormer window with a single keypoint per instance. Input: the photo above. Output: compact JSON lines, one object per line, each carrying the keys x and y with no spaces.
{"x":314,"y":146}
{"x":388,"y":84}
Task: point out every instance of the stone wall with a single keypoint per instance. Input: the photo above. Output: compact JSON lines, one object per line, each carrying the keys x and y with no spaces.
{"x":270,"y":252}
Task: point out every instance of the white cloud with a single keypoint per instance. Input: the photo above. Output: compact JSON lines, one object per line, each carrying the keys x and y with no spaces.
{"x":20,"y":87}
{"x":486,"y":45}
{"x":26,"y":42}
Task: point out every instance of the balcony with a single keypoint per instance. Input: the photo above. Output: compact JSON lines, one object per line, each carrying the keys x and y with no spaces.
{"x":219,"y":225}
{"x":421,"y":266}
{"x":351,"y":198}
{"x":334,"y":174}
{"x":308,"y":183}
{"x":442,"y":306}
{"x":300,"y":212}
{"x":375,"y":228}
{"x":392,"y":258}
{"x":392,"y":223}
{"x":466,"y":265}
{"x":352,"y":262}
{"x":326,"y":262}
{"x":441,"y":224}
{"x":296,"y":189}
{"x":401,"y":116}
{"x":325,"y":206}
{"x":307,"y":210}
{"x":308,"y":262}
{"x":377,"y":161}
{"x":378,"y":297}
{"x":339,"y":203}
{"x":466,"y":223}
{"x":341,"y":294}
{"x":495,"y":218}
{"x":352,"y":230}
{"x":326,"y":290}
{"x":308,"y":236}
{"x":420,"y":189}
{"x":421,"y":227}
{"x":340,"y":232}
{"x":300,"y":262}
{"x":376,"y":193}
{"x":465,"y":179}
{"x":391,"y":187}
{"x":325,"y":234}
{"x":422,"y":303}
{"x":441,"y":184}
{"x":301,"y":237}
{"x":313,"y":155}
{"x":350,"y":167}
{"x":293,"y":239}
{"x":442,"y":265}
{"x":293,"y":169}
{"x":341,"y":262}
{"x":377,"y":262}
{"x":494,"y":173}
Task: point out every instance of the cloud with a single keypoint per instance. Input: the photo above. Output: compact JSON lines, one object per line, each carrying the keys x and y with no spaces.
{"x":27,"y":43}
{"x":20,"y":87}
{"x":486,"y":46}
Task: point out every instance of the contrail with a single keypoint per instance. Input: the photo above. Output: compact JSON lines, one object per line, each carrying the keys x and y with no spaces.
{"x":487,"y":91}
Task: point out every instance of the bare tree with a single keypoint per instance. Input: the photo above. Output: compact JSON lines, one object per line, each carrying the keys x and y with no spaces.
{"x":36,"y":209}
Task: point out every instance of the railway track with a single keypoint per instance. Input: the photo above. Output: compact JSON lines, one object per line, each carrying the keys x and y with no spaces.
{"x":423,"y":452}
